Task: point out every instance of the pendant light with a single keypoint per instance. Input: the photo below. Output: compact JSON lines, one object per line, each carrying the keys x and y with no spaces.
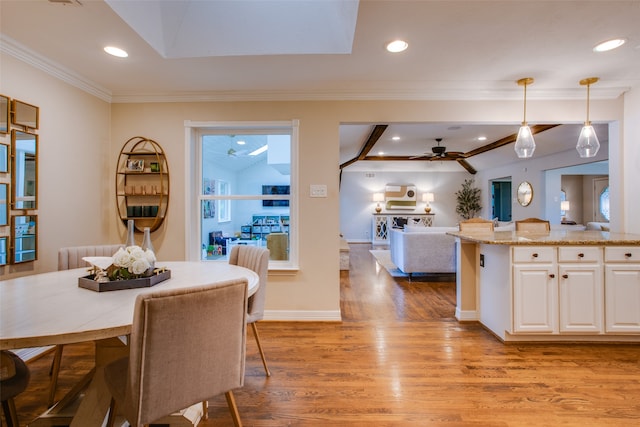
{"x":588,"y":144}
{"x":525,"y":145}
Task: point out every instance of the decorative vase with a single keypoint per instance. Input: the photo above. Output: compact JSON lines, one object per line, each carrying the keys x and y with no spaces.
{"x":131,"y":241}
{"x":146,"y":240}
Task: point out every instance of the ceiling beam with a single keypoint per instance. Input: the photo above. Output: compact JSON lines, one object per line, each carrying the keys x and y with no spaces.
{"x":376,"y":133}
{"x":506,"y":140}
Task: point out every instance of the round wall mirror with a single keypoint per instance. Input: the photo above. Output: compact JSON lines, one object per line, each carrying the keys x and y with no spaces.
{"x":525,"y":193}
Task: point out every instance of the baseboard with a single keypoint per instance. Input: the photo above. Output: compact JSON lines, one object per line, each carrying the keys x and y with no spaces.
{"x":466,"y":315}
{"x":303,"y":315}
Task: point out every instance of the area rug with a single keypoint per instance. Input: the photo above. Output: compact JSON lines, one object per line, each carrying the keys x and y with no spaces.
{"x":383,"y":257}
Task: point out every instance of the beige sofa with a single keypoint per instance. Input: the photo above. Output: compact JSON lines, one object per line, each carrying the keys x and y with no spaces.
{"x":423,"y":249}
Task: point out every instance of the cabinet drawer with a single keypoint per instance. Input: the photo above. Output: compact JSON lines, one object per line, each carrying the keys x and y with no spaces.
{"x":579,"y":254}
{"x":622,"y":254}
{"x":533,"y":254}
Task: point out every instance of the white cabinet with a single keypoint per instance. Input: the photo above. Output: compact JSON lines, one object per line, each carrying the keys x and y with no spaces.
{"x":557,"y":292}
{"x":622,"y":289}
{"x":580,"y":281}
{"x":535,"y":290}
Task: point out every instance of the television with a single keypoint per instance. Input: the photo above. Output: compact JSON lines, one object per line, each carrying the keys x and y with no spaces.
{"x":274,"y":190}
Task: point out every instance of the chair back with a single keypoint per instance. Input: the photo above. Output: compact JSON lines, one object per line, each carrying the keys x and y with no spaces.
{"x":256,"y":259}
{"x":478,"y":224}
{"x":533,"y":225}
{"x":71,"y":257}
{"x":187,"y":346}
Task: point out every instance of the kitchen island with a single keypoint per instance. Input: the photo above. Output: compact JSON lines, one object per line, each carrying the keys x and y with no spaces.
{"x":556,"y":286}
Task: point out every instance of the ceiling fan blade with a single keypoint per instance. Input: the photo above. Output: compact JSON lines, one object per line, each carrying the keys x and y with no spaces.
{"x":421,"y":156}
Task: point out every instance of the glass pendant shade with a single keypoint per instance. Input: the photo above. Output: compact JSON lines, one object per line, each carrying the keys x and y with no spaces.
{"x":588,"y":144}
{"x":525,"y":145}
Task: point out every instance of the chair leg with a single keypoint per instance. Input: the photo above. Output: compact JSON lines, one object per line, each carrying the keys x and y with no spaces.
{"x":264,"y":361}
{"x":205,"y":410}
{"x":233,"y":409}
{"x":10,"y":414}
{"x":112,"y":413}
{"x":55,"y":371}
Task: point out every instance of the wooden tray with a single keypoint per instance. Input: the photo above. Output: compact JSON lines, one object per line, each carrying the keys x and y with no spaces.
{"x":87,"y":282}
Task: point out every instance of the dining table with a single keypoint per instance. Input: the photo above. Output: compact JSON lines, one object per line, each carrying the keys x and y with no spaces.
{"x":48,"y":309}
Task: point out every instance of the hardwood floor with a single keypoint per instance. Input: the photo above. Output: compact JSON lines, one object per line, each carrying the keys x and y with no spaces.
{"x":399,"y":358}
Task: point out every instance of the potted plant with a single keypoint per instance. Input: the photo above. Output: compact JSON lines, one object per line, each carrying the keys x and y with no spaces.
{"x":468,"y":198}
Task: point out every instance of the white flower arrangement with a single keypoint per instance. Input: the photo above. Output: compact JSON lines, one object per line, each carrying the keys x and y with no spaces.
{"x":131,"y":262}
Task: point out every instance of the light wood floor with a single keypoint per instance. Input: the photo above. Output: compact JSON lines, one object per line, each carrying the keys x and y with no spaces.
{"x":399,"y":358}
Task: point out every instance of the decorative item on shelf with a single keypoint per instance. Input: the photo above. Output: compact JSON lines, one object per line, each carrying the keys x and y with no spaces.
{"x":588,"y":144}
{"x":427,"y":198}
{"x":525,"y":145}
{"x":565,"y":206}
{"x":146,"y":240}
{"x":378,"y":197}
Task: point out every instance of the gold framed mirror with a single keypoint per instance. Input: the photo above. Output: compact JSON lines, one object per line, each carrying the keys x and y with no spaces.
{"x":3,"y":251}
{"x":24,"y":170}
{"x":24,"y":236}
{"x":24,"y":114}
{"x":4,"y":114}
{"x":525,"y":193}
{"x":4,"y":204}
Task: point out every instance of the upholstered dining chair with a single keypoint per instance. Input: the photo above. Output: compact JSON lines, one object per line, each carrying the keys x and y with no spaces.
{"x":476,"y":224}
{"x":186,"y":346}
{"x":70,"y":258}
{"x":256,"y":259}
{"x":533,"y":225}
{"x":14,"y":378}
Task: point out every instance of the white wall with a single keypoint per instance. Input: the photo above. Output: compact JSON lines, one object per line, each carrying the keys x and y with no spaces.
{"x":625,"y":173}
{"x":74,"y":197}
{"x":357,"y":188}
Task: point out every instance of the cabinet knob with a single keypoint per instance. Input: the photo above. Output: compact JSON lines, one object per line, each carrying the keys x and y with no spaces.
{"x":627,"y":255}
{"x":565,"y":276}
{"x":552,"y":275}
{"x":535,"y":255}
{"x":580,"y":255}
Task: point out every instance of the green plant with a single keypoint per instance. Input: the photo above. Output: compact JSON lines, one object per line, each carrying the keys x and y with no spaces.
{"x":468,"y":200}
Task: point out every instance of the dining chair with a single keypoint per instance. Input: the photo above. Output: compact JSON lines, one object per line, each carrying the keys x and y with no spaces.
{"x":475,"y":224}
{"x":14,"y":378}
{"x":186,"y":346}
{"x":533,"y":225}
{"x":70,"y":258}
{"x":257,"y":259}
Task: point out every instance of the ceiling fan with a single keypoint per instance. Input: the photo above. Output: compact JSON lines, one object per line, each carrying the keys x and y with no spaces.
{"x":439,"y":152}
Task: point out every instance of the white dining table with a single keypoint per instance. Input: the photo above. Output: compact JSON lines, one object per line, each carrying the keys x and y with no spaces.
{"x":50,"y":308}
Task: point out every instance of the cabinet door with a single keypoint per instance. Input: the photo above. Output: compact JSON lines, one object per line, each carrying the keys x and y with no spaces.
{"x":622,"y":296}
{"x":581,"y":298}
{"x":535,"y":299}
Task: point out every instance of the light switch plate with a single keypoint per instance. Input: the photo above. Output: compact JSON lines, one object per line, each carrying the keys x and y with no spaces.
{"x":318,"y":190}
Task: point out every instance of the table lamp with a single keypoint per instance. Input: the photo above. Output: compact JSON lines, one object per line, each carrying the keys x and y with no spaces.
{"x":565,"y":206}
{"x":378,"y":197}
{"x":427,"y":197}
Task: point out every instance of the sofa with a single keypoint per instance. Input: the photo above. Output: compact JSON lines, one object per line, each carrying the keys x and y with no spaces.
{"x":423,"y":249}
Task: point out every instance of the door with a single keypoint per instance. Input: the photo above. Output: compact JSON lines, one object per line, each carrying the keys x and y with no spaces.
{"x":501,"y":200}
{"x":535,"y":299}
{"x":601,"y":199}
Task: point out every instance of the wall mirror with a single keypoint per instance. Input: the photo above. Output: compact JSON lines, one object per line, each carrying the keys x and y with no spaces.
{"x":4,"y":114}
{"x":25,"y":243}
{"x":525,"y":193}
{"x":3,"y":250}
{"x":4,"y":204}
{"x":4,"y":158}
{"x":24,"y":168}
{"x":24,"y":114}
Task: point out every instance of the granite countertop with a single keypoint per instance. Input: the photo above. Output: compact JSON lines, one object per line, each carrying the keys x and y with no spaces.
{"x":553,"y":238}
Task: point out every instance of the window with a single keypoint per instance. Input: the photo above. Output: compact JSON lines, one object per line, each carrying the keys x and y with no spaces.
{"x":229,"y":204}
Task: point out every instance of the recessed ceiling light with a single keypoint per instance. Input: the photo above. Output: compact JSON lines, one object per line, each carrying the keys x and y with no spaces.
{"x":609,"y":45}
{"x":380,"y":153}
{"x":397,"y":46}
{"x":395,"y":138}
{"x":116,"y":51}
{"x":482,"y":138}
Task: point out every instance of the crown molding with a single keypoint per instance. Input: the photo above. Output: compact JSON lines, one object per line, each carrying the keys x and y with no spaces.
{"x":46,"y":65}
